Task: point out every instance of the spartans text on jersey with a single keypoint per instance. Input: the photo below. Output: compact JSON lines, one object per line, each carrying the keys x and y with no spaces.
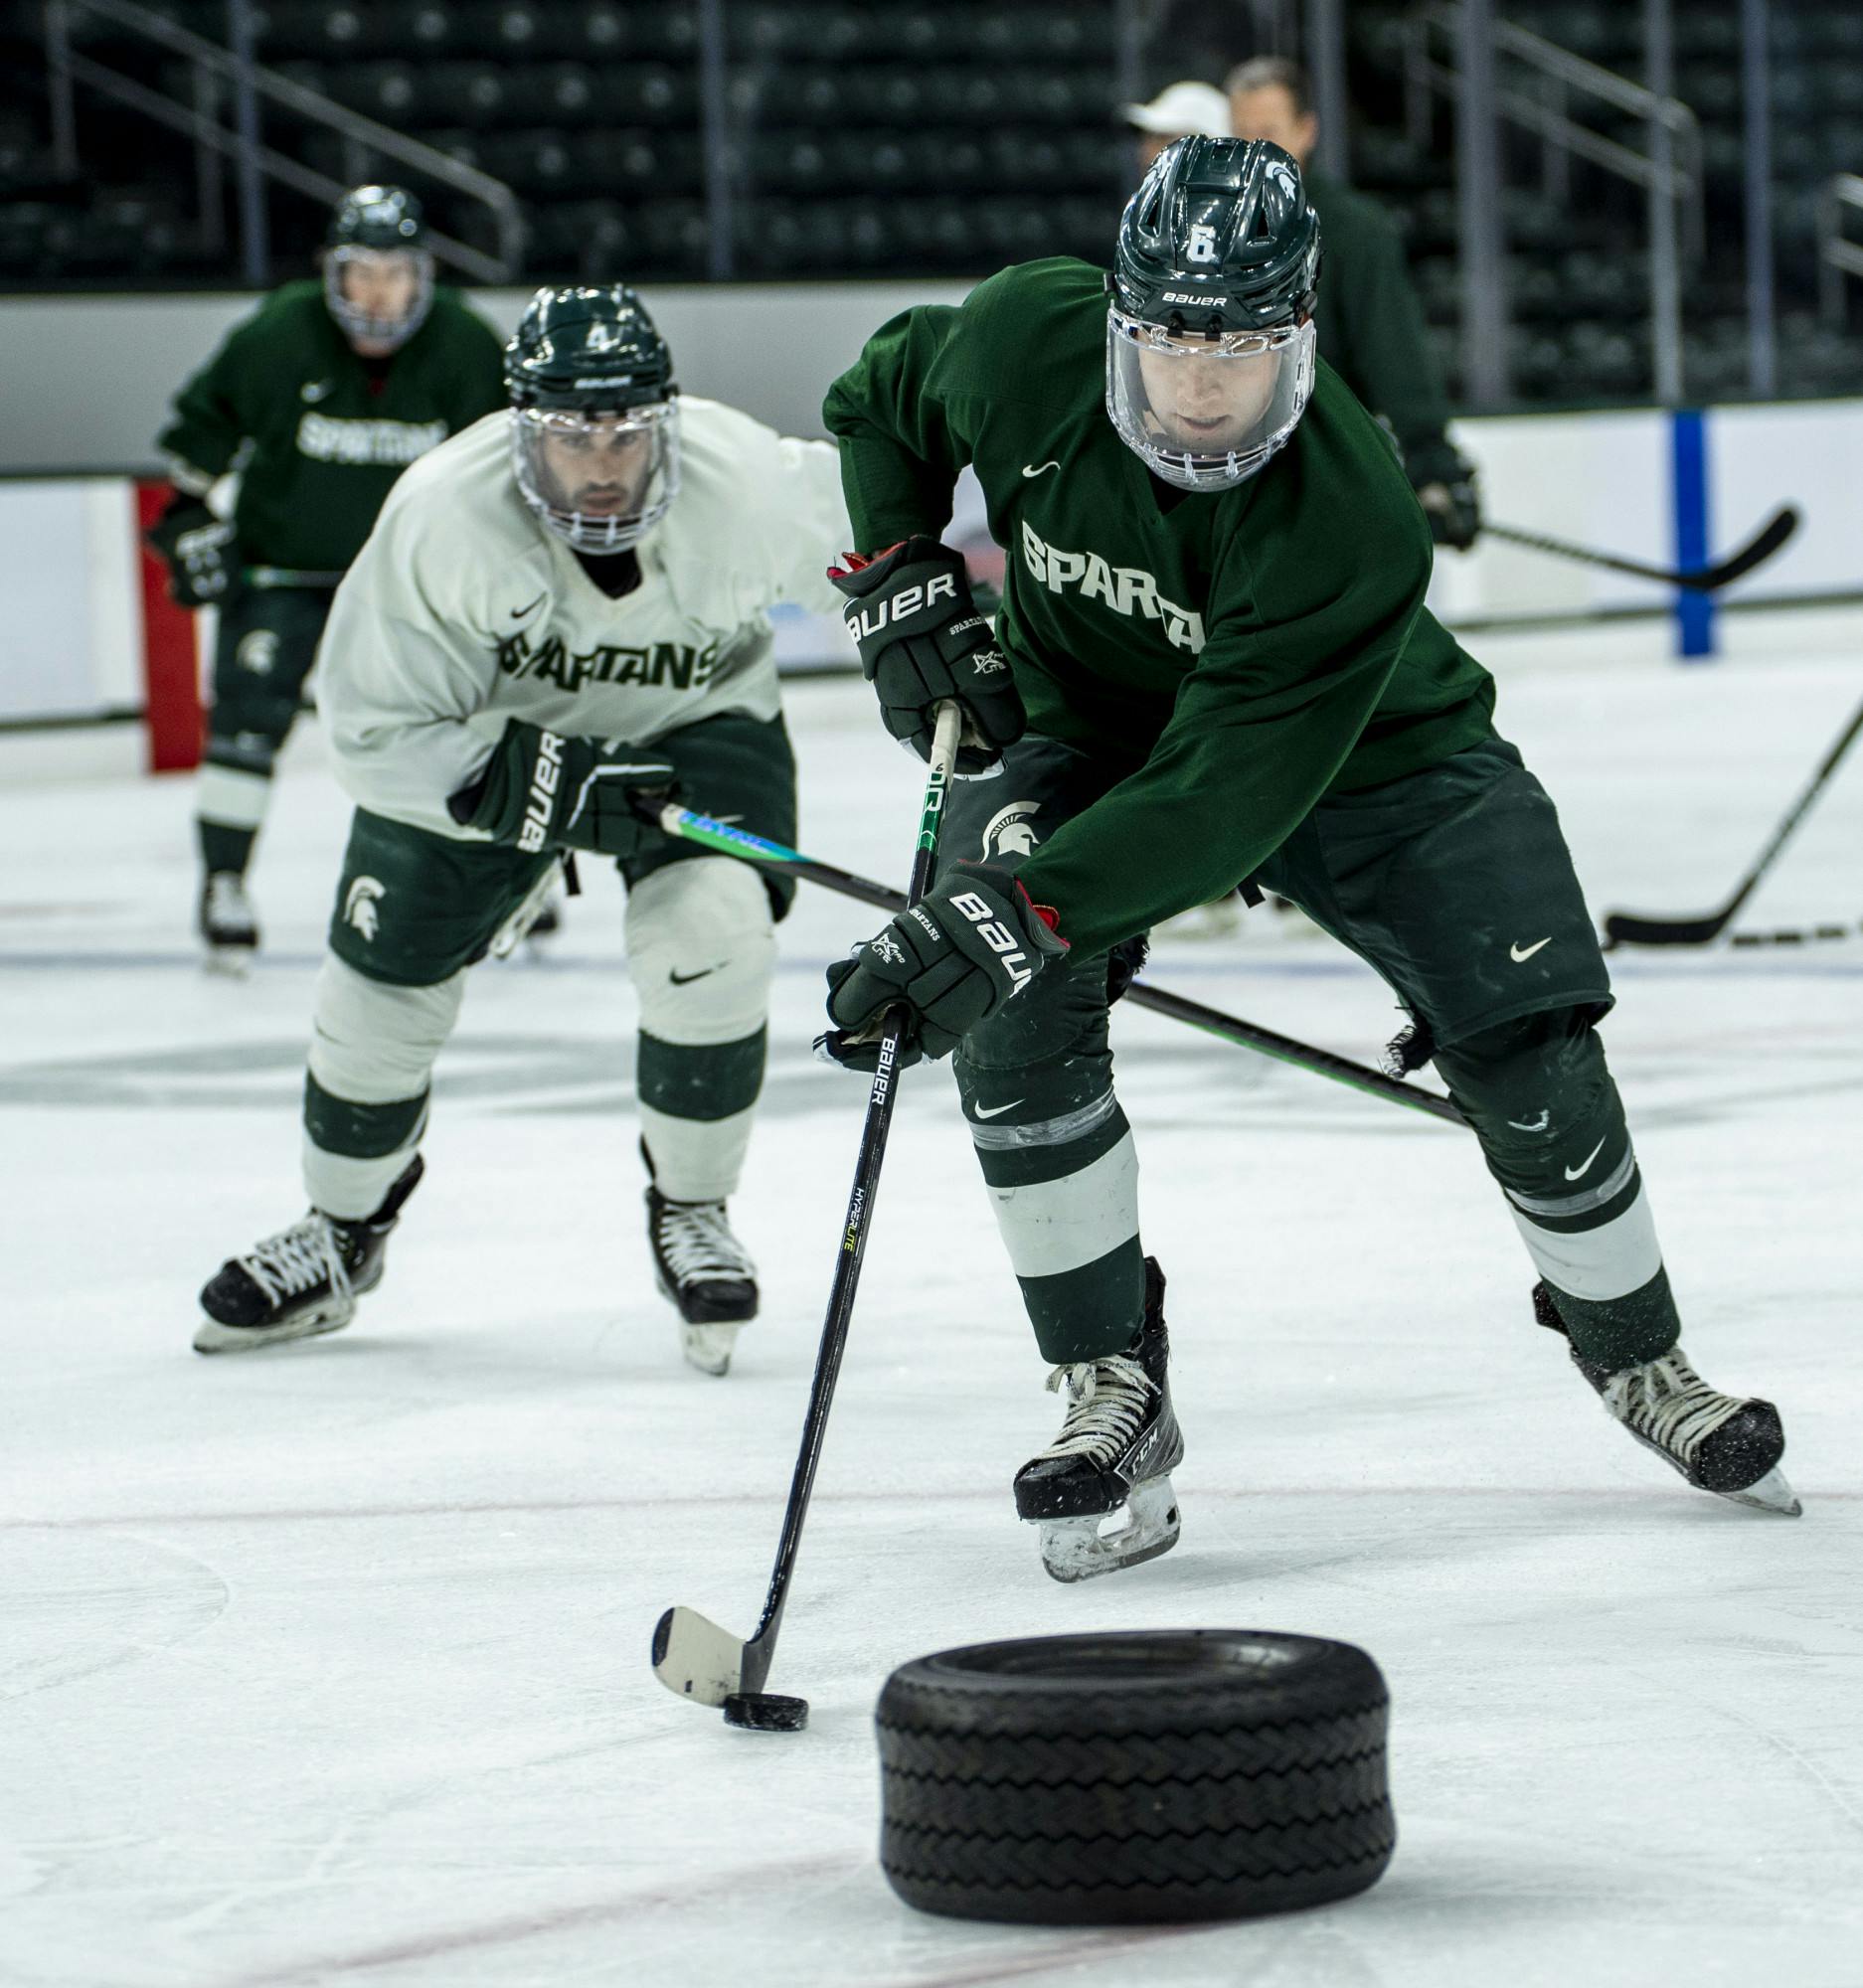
{"x":331,"y":438}
{"x":1127,"y":589}
{"x":664,"y":665}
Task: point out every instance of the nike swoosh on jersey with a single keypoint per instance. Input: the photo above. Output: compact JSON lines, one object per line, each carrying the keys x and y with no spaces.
{"x":518,"y":613}
{"x":1517,"y":952}
{"x":996,"y":1110}
{"x":1039,"y":468}
{"x":1584,"y":1165}
{"x":685,"y":979}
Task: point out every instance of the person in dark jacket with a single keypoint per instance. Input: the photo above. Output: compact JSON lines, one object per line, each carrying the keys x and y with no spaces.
{"x":1371,"y":325}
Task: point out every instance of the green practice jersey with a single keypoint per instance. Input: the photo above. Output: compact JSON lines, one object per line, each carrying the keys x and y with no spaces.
{"x":1231,"y":656}
{"x":319,"y":433}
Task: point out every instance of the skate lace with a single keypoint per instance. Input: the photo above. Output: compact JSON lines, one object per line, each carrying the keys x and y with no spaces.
{"x":1106,"y":1405}
{"x":1666,"y":1401}
{"x":697,"y":1241}
{"x":291,"y":1262}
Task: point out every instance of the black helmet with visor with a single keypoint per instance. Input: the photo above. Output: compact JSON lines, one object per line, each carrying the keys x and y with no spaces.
{"x":595,"y":417}
{"x":371,"y":227}
{"x":1209,"y":324}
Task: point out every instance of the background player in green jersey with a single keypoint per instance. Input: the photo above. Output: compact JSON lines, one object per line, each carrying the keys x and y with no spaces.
{"x":1214,"y":663}
{"x":320,"y":399}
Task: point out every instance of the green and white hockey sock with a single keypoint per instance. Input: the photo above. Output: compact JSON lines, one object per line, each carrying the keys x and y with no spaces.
{"x":232,"y":793}
{"x":697,"y":1106}
{"x":371,"y":1051}
{"x":1064,"y":1190}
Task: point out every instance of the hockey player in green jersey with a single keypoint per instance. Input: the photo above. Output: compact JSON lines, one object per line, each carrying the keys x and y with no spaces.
{"x":558,"y":620}
{"x":319,"y":399}
{"x":1213,"y":664}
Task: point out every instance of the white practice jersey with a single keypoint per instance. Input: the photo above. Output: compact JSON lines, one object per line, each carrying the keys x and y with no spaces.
{"x":461,"y":612}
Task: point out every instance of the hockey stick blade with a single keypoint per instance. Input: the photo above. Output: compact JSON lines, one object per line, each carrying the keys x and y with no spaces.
{"x":1627,"y":928}
{"x":694,"y":1658}
{"x":1703,"y":580}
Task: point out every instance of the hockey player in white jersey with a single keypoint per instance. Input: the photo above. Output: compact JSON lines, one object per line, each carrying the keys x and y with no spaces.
{"x":559,"y":619}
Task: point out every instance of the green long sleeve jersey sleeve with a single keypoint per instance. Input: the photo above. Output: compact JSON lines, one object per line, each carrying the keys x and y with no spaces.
{"x":320,"y":434}
{"x":1230,"y":657}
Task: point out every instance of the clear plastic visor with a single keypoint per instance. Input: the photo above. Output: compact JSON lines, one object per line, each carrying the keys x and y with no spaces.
{"x":378,"y":297}
{"x":600,"y":482}
{"x":1206,"y":413}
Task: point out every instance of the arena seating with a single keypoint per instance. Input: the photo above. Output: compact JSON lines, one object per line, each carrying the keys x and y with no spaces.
{"x":923,"y":139}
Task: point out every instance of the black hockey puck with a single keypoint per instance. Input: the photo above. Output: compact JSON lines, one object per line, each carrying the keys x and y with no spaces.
{"x":765,"y":1711}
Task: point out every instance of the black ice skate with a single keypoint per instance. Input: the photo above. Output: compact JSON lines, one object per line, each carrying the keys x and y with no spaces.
{"x":705,"y":1271}
{"x":1719,"y":1442}
{"x":1113,"y":1459}
{"x":304,"y":1281}
{"x":229,"y":926}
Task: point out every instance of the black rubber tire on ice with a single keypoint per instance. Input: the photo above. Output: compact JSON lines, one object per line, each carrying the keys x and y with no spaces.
{"x":1154,"y":1774}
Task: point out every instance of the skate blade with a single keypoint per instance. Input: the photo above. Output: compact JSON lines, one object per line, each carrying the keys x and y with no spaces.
{"x":212,"y":1337}
{"x":229,"y":963}
{"x":1083,"y":1549}
{"x":708,"y":1347}
{"x":1770,"y":1493}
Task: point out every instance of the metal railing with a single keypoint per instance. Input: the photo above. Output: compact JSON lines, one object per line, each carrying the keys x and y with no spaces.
{"x":1838,"y":257}
{"x":1670,"y":172}
{"x":225,"y":77}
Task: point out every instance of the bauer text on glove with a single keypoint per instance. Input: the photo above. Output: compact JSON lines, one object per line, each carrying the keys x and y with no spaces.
{"x":922,"y":641}
{"x":541,"y":791}
{"x":972,"y":943}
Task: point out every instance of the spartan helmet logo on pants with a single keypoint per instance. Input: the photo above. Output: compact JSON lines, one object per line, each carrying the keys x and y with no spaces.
{"x":257,"y":652}
{"x":1010,"y":832}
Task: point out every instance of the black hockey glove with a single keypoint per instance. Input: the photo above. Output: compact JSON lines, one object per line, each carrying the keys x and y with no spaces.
{"x":198,"y":550}
{"x":955,"y":957}
{"x":1446,"y":486}
{"x":921,"y":640}
{"x":543,"y":792}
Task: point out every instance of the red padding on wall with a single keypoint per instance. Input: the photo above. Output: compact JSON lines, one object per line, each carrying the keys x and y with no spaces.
{"x":170,"y":672}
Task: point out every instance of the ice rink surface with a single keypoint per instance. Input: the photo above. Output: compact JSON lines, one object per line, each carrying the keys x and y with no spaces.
{"x":329,"y":1664}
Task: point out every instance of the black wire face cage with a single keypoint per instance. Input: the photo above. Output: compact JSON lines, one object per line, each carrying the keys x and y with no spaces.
{"x":356,"y":324}
{"x":647,"y":441}
{"x":1204,"y":412}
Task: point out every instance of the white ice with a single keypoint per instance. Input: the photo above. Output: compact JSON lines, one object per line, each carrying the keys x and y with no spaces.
{"x":329,"y":1664}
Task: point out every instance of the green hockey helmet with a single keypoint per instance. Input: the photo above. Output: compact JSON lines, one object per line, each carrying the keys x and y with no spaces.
{"x":595,"y":416}
{"x":1210,"y":321}
{"x":378,"y":267}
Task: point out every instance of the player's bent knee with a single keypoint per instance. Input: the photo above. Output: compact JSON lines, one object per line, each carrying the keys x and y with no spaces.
{"x":702,"y":947}
{"x":373,"y":1043}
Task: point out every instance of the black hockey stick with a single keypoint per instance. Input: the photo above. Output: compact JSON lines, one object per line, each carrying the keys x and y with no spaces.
{"x":692,"y":1655}
{"x":1631,"y":929}
{"x":728,"y":840}
{"x":1704,"y":580}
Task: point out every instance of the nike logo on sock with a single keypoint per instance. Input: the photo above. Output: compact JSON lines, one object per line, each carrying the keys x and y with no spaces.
{"x":998,"y":1111}
{"x":1584,"y":1165}
{"x":1518,"y":952}
{"x":1038,"y":468}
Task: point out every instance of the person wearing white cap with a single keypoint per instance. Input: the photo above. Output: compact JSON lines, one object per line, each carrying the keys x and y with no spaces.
{"x":1177,"y":112}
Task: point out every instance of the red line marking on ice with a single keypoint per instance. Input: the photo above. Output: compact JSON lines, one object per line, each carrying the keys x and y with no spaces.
{"x":536,"y":1925}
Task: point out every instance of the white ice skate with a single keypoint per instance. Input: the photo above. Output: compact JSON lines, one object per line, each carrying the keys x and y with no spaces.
{"x":1102,"y":1490}
{"x":707,"y":1272}
{"x":229,"y":926}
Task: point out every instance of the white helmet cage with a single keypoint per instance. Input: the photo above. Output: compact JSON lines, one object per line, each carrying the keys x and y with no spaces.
{"x":632,"y":459}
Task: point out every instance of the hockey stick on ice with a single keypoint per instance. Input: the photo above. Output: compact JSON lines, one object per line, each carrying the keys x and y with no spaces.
{"x":691,"y":1655}
{"x":1632,"y":929}
{"x":731,"y":840}
{"x":1704,"y":580}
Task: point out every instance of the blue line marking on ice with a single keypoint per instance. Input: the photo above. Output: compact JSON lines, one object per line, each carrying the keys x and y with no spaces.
{"x":1694,"y":612}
